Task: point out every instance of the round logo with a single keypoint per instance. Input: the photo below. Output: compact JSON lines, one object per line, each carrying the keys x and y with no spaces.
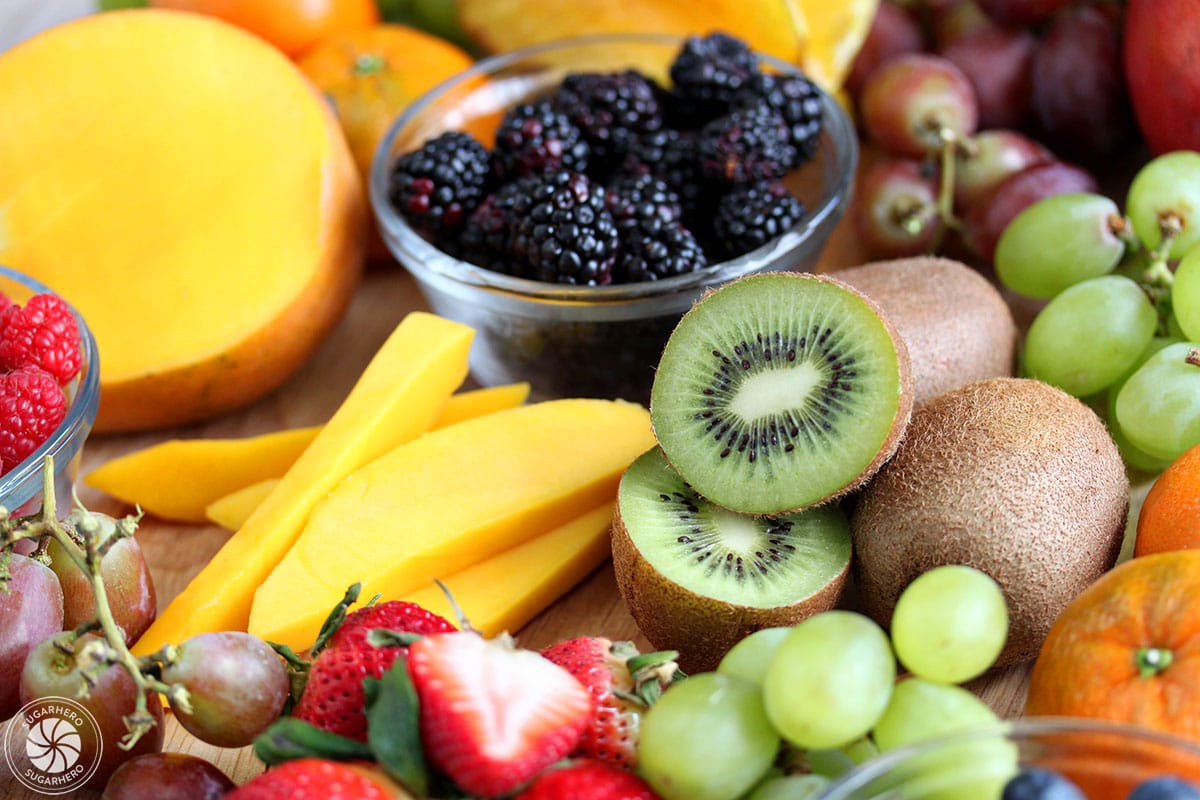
{"x":53,"y":745}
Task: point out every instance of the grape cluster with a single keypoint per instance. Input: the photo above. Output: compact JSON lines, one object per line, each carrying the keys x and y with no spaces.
{"x":822,"y":695}
{"x":968,"y":101}
{"x":1121,"y":326}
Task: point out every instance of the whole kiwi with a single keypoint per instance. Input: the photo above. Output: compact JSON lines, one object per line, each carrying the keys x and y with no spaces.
{"x":1009,"y":475}
{"x":956,"y":325}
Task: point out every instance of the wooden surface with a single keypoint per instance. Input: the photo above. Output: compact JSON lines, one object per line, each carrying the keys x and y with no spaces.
{"x":176,"y":552}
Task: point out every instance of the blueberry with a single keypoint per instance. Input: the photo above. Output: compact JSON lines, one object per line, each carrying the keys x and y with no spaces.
{"x":1165,"y":789}
{"x":1041,"y":784}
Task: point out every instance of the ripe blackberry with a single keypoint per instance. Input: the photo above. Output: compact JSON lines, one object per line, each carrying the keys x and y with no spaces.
{"x":437,"y":185}
{"x":750,"y":216}
{"x":652,"y":249}
{"x":671,"y":155}
{"x":535,"y":137}
{"x":487,"y":234}
{"x":568,"y":235}
{"x":611,"y":109}
{"x":748,"y":145}
{"x":708,"y":72}
{"x":640,"y":195}
{"x":794,"y":98}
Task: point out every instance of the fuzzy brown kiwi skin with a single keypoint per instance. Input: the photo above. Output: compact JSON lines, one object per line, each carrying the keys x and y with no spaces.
{"x":903,"y":408}
{"x":957,"y":326}
{"x":1010,"y":476}
{"x":701,"y":629}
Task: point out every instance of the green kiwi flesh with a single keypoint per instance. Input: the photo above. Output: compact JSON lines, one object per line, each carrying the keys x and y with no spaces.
{"x":780,"y":391}
{"x":698,"y":578}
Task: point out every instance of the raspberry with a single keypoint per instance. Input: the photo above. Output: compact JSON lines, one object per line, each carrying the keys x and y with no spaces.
{"x":32,"y":405}
{"x":42,"y":334}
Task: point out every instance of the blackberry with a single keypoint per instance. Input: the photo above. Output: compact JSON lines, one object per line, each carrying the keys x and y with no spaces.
{"x":794,"y":98}
{"x":652,"y":249}
{"x":437,"y":185}
{"x":708,"y":72}
{"x":611,"y":109}
{"x":750,"y":216}
{"x":568,"y":235}
{"x":671,"y":155}
{"x":746,"y":146}
{"x":640,"y":195}
{"x":534,"y":137}
{"x":487,"y":234}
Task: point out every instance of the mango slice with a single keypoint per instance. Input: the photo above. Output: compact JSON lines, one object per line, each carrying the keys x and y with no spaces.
{"x":232,"y":510}
{"x":506,"y":591}
{"x":180,"y":478}
{"x":182,"y":185}
{"x":397,"y":398}
{"x":447,"y":500}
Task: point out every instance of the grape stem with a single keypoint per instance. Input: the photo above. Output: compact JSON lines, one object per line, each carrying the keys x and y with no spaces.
{"x":1193,"y":356}
{"x":1159,"y":274}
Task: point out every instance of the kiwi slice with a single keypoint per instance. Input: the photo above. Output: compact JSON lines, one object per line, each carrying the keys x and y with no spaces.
{"x":780,"y":391}
{"x":697,"y":578}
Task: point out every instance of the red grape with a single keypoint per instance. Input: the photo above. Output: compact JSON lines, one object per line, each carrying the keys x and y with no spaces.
{"x":30,"y":611}
{"x":893,"y":32}
{"x":906,"y":101}
{"x":989,"y":158}
{"x":961,"y":19}
{"x":997,"y":61}
{"x":987,"y":219}
{"x":895,"y":212}
{"x":50,"y":672}
{"x":127,"y":583}
{"x":1021,"y":12}
{"x":167,"y":776}
{"x":1079,"y":97}
{"x":237,"y":683}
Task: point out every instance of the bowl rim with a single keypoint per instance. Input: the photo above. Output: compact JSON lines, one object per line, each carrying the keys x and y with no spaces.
{"x":431,"y":261}
{"x":81,"y":414}
{"x":872,"y":769}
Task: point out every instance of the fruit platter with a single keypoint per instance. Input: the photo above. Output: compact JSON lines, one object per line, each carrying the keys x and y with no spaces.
{"x":603,"y":400}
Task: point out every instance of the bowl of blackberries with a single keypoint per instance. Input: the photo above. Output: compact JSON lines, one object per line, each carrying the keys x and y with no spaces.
{"x":570,"y":201}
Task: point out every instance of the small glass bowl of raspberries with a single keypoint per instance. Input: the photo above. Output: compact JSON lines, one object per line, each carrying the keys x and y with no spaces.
{"x":49,"y":391}
{"x":571,"y":200}
{"x":1032,"y":758}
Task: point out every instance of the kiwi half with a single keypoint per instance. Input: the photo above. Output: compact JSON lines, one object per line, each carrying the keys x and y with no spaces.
{"x":780,"y":391}
{"x":697,"y":578}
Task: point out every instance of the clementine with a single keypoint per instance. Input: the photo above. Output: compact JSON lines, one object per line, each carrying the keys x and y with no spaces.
{"x":292,"y":26}
{"x":1127,"y":649}
{"x":1170,"y":516}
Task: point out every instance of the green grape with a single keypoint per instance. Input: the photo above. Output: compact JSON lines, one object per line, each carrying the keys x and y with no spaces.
{"x":963,"y":765}
{"x":950,"y":624}
{"x":1133,"y":456}
{"x":1185,"y":296}
{"x":1090,"y":334}
{"x":832,"y":762}
{"x":707,"y":738}
{"x":830,"y":680}
{"x":1167,"y":184}
{"x":750,"y":657}
{"x":789,"y":787}
{"x":1158,"y":408}
{"x":1058,"y":242}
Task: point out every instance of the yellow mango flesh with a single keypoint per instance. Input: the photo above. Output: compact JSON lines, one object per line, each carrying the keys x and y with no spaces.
{"x":232,"y":510}
{"x":398,"y":396}
{"x":506,"y":591}
{"x":182,"y":185}
{"x":447,"y":500}
{"x":181,"y":478}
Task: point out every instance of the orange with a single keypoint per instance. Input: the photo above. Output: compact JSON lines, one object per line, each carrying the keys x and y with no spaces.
{"x":1170,"y":516}
{"x":291,"y":25}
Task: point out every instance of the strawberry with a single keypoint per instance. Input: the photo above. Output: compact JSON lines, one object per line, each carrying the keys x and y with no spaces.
{"x":588,"y":779}
{"x":333,"y":696}
{"x":492,"y":715}
{"x":32,"y":405}
{"x":43,"y":334}
{"x":623,"y":683}
{"x":318,"y":779}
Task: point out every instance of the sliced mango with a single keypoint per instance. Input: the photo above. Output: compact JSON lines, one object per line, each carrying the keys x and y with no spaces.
{"x":506,"y":591}
{"x":179,"y":479}
{"x":447,"y":500}
{"x":398,"y":396}
{"x":232,"y":510}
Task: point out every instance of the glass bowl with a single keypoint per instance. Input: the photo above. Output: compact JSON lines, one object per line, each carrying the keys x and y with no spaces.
{"x":575,"y":340}
{"x":1105,"y":760}
{"x":21,"y":486}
